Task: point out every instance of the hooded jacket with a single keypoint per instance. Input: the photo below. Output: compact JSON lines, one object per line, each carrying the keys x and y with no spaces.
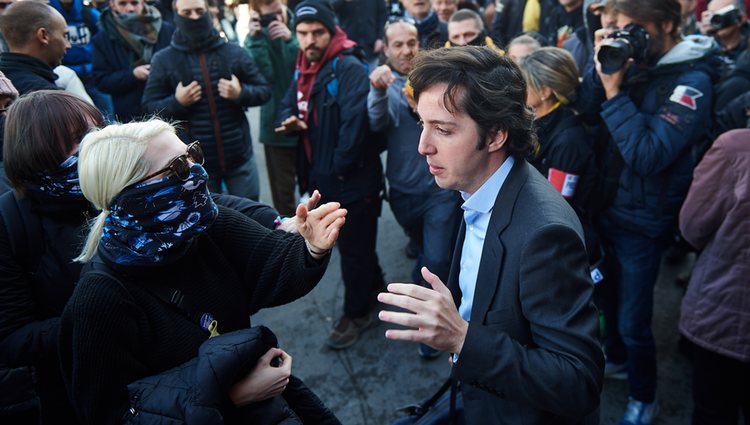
{"x":660,"y":114}
{"x":219,"y":124}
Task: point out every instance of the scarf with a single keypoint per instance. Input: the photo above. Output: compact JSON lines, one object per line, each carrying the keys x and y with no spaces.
{"x":480,"y":40}
{"x":425,"y":26}
{"x":139,"y":32}
{"x":195,"y":34}
{"x":61,"y":183}
{"x":155,"y":222}
{"x":307,"y":73}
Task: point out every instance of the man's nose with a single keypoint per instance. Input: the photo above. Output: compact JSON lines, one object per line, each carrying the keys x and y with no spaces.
{"x":425,"y":148}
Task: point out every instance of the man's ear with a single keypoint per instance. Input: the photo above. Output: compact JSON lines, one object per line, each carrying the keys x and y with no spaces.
{"x":667,"y":27}
{"x":42,"y":35}
{"x":496,"y":140}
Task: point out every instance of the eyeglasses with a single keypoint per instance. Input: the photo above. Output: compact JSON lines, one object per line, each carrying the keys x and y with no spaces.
{"x":180,"y":166}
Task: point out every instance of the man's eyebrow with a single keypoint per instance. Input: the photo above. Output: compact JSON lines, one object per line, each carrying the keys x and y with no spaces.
{"x":439,"y":122}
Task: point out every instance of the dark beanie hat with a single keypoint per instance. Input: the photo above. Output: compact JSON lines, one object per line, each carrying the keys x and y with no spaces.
{"x":316,"y":10}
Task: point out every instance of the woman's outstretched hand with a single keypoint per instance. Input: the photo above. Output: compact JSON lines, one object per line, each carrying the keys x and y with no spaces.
{"x":320,"y":226}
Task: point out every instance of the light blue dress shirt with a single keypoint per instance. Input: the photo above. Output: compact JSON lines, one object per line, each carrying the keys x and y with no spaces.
{"x":477,"y":211}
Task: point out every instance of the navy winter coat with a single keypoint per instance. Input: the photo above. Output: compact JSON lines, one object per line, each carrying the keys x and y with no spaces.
{"x":112,"y":71}
{"x":225,"y":136}
{"x":654,"y":122}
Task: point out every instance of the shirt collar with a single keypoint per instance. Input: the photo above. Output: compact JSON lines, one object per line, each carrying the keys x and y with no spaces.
{"x":419,"y":21}
{"x":483,"y":199}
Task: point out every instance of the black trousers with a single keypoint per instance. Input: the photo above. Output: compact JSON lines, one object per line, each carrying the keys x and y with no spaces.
{"x":721,"y":388}
{"x":359,"y":261}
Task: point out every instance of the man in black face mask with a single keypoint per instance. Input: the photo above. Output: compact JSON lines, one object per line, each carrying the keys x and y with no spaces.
{"x":466,"y":28}
{"x":133,"y":32}
{"x":208,"y":83}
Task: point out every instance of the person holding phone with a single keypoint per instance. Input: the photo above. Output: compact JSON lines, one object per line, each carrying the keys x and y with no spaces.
{"x":274,"y":47}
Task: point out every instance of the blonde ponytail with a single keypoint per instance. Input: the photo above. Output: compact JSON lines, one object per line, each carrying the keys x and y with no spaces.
{"x":96,"y":227}
{"x":110,"y":160}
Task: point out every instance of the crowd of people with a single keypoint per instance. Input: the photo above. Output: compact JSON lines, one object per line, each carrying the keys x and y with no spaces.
{"x":541,"y":157}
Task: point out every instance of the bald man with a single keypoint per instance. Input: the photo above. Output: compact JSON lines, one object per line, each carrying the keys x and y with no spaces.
{"x":37,"y":41}
{"x":36,"y":35}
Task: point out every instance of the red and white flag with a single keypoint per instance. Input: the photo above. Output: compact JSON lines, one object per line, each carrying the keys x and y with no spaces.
{"x":565,"y":183}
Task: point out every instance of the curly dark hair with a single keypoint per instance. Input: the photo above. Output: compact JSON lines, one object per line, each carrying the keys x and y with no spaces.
{"x":486,"y":86}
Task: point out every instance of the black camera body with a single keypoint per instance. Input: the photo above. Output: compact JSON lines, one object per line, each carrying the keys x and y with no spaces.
{"x":629,"y":42}
{"x":725,"y":17}
{"x":265,"y":20}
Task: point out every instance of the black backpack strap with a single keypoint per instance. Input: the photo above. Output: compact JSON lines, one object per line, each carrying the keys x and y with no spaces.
{"x":22,"y":226}
{"x":172,"y":297}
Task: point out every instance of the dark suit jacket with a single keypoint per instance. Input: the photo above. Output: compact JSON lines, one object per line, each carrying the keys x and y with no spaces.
{"x":531,"y":354}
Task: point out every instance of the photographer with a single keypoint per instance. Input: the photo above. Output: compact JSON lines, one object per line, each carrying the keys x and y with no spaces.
{"x":726,"y":21}
{"x":653,"y":92}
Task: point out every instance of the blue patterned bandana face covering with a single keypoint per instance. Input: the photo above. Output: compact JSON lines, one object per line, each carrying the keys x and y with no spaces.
{"x":154,"y":222}
{"x":62,"y":183}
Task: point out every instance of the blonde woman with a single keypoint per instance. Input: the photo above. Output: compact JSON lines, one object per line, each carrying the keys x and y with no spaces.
{"x":564,"y":155}
{"x":170,"y":270}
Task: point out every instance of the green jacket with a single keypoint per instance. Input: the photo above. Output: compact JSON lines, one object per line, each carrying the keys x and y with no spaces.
{"x":276,"y":60}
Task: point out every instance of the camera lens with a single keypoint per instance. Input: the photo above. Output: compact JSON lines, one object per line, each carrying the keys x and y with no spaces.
{"x":614,"y":56}
{"x":725,"y":17}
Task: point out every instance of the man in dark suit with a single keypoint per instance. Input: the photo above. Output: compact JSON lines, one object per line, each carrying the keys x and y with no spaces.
{"x":524,"y":334}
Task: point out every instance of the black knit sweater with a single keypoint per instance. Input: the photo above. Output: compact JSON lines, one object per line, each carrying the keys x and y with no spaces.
{"x":112,"y":335}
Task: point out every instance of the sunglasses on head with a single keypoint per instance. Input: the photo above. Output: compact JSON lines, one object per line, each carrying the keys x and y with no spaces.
{"x":180,"y":165}
{"x":397,"y":19}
